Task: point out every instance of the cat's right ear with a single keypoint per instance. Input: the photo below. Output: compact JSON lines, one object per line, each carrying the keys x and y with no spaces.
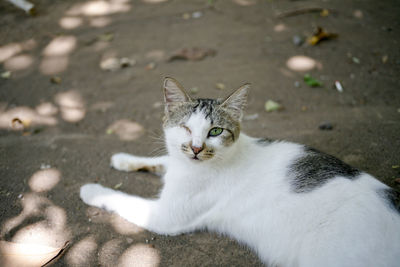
{"x":174,"y":93}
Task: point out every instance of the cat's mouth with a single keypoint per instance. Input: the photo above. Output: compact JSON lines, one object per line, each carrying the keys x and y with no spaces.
{"x":195,"y":158}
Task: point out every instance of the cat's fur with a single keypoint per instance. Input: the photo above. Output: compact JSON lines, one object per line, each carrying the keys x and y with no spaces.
{"x":293,"y":205}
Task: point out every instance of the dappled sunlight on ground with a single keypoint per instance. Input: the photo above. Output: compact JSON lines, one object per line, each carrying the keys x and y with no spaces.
{"x":99,"y":22}
{"x":110,"y":252}
{"x":153,"y":1}
{"x":81,"y":253}
{"x":139,"y":255}
{"x":119,"y":224}
{"x":26,"y":115}
{"x":40,"y":221}
{"x":303,"y":63}
{"x":70,"y":23}
{"x":60,"y":46}
{"x":46,"y":109}
{"x":12,"y":49}
{"x":280,"y":27}
{"x":18,"y":62}
{"x":54,"y":65}
{"x":126,"y":130}
{"x":56,"y":54}
{"x":44,"y":180}
{"x":99,"y":8}
{"x":245,"y":2}
{"x":72,"y":106}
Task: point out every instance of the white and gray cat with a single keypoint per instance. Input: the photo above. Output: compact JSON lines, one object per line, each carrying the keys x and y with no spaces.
{"x":293,"y":205}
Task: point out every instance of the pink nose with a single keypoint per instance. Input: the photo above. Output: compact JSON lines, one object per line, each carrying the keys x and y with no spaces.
{"x":196,"y":150}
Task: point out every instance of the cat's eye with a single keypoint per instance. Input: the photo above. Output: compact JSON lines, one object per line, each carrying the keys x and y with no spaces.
{"x":186,"y":128}
{"x":215,"y":131}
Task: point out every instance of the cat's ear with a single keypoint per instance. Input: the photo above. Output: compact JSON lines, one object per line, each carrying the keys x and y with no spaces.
{"x":236,"y":102}
{"x":174,"y":92}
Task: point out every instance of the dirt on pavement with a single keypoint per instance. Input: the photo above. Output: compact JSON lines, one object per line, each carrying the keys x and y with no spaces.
{"x":81,"y":80}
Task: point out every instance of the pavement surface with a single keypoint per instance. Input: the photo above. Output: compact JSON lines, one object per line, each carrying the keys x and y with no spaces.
{"x":81,"y":80}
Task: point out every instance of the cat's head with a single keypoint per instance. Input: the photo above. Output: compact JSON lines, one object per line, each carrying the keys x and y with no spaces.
{"x":201,"y":129}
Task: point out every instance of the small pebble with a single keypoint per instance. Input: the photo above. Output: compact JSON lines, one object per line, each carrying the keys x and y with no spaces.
{"x":298,"y":40}
{"x":327,"y":126}
{"x":197,"y":14}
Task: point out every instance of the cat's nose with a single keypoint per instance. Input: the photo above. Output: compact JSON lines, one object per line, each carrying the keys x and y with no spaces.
{"x":196,"y":150}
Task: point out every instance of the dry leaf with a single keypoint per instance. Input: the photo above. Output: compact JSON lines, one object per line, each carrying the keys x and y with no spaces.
{"x":271,"y":105}
{"x":321,"y":35}
{"x":6,"y":75}
{"x":193,"y":54}
{"x":28,"y":255}
{"x":55,"y":80}
{"x":220,"y":86}
{"x":18,"y":124}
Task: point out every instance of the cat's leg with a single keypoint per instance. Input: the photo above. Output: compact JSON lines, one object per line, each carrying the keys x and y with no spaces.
{"x":127,"y":162}
{"x":150,"y":214}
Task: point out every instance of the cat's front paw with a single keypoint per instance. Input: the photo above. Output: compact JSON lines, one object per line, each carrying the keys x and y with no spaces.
{"x":93,"y":194}
{"x":123,"y":162}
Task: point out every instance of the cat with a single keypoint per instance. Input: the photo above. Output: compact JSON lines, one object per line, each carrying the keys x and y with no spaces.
{"x":293,"y":205}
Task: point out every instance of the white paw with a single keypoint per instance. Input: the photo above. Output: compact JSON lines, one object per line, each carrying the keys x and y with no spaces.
{"x":93,"y":194}
{"x":123,"y":162}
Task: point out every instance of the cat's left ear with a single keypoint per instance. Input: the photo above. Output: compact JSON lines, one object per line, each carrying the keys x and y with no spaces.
{"x":236,"y":102}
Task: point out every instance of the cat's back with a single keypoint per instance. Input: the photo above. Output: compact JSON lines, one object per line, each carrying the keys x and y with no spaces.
{"x":310,"y":203}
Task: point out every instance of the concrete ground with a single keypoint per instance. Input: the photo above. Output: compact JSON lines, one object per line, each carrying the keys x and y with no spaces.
{"x":63,"y":114}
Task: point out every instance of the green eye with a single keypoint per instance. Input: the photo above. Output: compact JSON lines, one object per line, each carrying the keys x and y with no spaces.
{"x":215,"y":131}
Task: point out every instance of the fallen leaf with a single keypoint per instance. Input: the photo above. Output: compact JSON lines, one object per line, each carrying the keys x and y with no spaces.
{"x":55,"y":80}
{"x":18,"y":124}
{"x":324,"y":13}
{"x":117,"y":185}
{"x":194,"y":90}
{"x":106,"y":37}
{"x":310,"y":81}
{"x":193,"y":54}
{"x":6,"y":75}
{"x":220,"y":86}
{"x":321,"y":35}
{"x":395,"y":166}
{"x":271,"y":105}
{"x":29,"y":255}
{"x":385,"y":59}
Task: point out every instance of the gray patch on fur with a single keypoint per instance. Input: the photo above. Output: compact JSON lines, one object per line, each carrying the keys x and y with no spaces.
{"x":314,"y":169}
{"x":391,"y":197}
